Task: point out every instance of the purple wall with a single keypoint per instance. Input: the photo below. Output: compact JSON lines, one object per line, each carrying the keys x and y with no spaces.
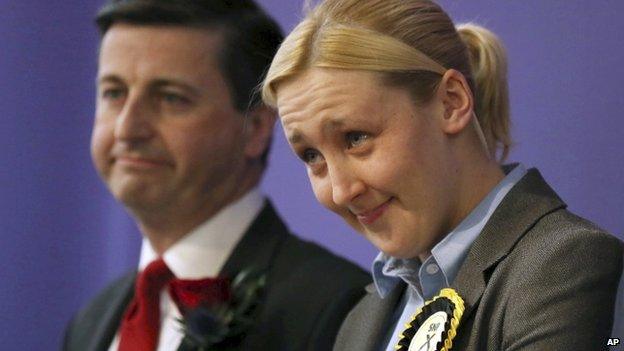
{"x":64,"y":237}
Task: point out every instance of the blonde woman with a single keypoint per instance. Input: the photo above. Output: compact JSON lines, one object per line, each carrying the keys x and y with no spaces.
{"x":402,"y":120}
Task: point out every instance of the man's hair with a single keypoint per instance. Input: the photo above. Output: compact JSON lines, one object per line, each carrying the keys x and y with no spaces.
{"x":250,"y":37}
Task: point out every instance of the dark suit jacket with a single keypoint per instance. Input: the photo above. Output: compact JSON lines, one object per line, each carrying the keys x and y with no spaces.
{"x":536,"y":278}
{"x":309,"y":291}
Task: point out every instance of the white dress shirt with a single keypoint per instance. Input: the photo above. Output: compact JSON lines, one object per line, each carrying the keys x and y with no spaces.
{"x":199,"y":254}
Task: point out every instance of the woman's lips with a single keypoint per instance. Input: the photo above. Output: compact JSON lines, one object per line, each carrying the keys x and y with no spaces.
{"x":371,"y":216}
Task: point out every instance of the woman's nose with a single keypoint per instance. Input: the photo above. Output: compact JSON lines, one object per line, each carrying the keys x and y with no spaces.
{"x":345,"y":184}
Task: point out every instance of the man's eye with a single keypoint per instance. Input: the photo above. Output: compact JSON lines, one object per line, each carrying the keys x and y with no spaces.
{"x":355,"y":139}
{"x":174,"y":99}
{"x":311,"y":156}
{"x":112,"y":93}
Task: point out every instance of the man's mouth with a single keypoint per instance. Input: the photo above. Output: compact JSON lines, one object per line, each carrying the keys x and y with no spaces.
{"x":138,"y":162}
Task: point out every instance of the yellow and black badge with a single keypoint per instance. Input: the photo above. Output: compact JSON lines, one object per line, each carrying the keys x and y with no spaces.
{"x":434,"y":326}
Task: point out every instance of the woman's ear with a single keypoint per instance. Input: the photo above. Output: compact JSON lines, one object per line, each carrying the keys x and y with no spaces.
{"x":457,"y":101}
{"x":258,"y":130}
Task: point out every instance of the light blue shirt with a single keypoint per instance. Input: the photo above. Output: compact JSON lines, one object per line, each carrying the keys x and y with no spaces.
{"x":438,"y":270}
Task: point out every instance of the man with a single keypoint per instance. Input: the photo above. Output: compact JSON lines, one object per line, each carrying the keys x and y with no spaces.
{"x":180,"y":139}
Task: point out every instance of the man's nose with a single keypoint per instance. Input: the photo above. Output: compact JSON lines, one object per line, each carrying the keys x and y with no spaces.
{"x":345,"y":183}
{"x":133,"y":122}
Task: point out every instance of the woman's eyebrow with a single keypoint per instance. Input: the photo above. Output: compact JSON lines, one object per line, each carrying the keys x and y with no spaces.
{"x":295,"y":137}
{"x":328,"y":125}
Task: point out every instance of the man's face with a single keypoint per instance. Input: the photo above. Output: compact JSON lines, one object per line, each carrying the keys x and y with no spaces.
{"x":166,"y":138}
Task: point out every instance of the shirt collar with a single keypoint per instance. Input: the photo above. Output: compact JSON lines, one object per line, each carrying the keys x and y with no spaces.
{"x":203,"y":252}
{"x":451,"y":251}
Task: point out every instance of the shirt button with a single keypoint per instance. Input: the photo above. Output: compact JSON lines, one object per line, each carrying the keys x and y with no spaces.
{"x":432,"y":269}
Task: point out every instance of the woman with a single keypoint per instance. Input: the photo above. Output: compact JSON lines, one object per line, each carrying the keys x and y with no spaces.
{"x":400,"y":118}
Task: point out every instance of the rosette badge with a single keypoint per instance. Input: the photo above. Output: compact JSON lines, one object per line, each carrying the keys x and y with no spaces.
{"x":434,"y":326}
{"x":216,"y":311}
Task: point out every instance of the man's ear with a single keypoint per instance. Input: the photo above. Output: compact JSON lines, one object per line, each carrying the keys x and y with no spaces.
{"x":457,"y":101}
{"x":258,"y":130}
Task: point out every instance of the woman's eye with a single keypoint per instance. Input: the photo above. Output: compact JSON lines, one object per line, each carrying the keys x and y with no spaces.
{"x":311,"y":156}
{"x":355,"y":139}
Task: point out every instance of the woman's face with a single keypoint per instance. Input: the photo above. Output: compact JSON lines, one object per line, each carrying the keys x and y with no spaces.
{"x":373,"y":157}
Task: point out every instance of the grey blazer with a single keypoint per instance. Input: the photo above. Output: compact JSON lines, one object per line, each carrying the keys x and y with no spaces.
{"x":537,"y":278}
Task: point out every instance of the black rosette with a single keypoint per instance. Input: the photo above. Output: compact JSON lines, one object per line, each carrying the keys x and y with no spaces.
{"x":432,"y":334}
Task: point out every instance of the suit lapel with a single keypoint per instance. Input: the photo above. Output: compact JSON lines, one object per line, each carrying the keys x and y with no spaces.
{"x":257,"y":247}
{"x":110,"y":320}
{"x":367,"y":324}
{"x":528,"y":201}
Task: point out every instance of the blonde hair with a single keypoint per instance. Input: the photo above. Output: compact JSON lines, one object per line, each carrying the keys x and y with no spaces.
{"x":411,"y":43}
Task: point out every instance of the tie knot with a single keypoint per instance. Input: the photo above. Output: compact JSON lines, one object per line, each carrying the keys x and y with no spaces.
{"x":153,"y":278}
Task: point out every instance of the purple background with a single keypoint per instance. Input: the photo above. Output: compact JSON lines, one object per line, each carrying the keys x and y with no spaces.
{"x":64,"y":237}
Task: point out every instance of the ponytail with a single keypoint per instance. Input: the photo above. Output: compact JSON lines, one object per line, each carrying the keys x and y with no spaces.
{"x":412,"y":42}
{"x":488,"y":63}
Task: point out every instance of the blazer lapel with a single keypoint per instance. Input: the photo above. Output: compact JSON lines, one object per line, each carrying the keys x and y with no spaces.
{"x":528,"y":201}
{"x":110,"y":320}
{"x":367,"y":324}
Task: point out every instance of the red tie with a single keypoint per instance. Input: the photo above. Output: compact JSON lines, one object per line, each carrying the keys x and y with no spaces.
{"x":141,"y":324}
